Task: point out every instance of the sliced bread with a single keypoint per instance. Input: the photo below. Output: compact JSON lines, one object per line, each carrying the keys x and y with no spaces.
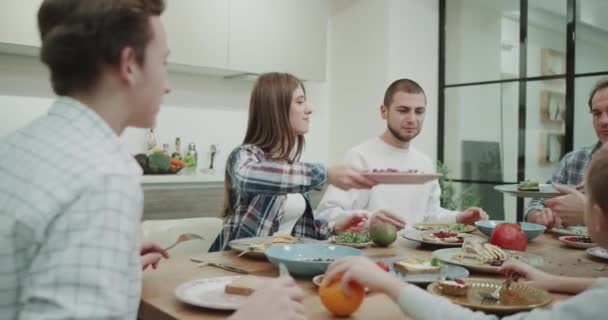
{"x":246,"y":285}
{"x":415,"y":266}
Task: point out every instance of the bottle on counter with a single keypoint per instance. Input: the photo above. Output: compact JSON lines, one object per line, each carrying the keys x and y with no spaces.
{"x":166,"y":148}
{"x":151,"y":143}
{"x":178,"y":149}
{"x":191,"y":158}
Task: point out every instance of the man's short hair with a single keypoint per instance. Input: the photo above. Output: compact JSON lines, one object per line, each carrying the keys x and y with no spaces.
{"x":401,"y":85}
{"x":600,"y":85}
{"x":79,"y":37}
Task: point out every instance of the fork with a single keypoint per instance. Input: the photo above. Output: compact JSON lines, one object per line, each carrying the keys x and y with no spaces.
{"x":184,"y":237}
{"x":495,"y":295}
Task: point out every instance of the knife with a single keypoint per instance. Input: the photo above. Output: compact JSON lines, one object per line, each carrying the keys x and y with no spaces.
{"x":228,"y":268}
{"x":202,"y":263}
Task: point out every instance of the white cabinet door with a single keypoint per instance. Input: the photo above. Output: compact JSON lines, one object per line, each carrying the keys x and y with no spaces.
{"x":197,"y":32}
{"x":279,"y":35}
{"x":18,"y":24}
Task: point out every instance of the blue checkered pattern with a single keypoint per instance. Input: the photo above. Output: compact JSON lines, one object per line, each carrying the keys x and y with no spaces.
{"x":571,"y":171}
{"x":258,"y":193}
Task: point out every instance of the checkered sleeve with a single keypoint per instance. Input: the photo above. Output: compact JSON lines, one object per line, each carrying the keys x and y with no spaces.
{"x":88,"y":265}
{"x":254,"y":176}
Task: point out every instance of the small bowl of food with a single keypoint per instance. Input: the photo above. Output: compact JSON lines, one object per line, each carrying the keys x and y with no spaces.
{"x":578,"y":242}
{"x":308,"y":259}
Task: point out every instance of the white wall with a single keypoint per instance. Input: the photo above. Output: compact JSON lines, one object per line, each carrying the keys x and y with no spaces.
{"x":373,"y":43}
{"x":201,"y":109}
{"x":358,"y":35}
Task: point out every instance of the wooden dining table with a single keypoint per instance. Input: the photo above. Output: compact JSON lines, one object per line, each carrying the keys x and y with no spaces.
{"x":159,"y":303}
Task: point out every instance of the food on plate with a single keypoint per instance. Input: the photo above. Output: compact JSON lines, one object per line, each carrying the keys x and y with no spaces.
{"x":383,"y":266}
{"x":333,"y":298}
{"x":385,"y":170}
{"x":442,"y":236}
{"x":579,"y":239}
{"x":573,"y":230}
{"x":245,"y":285}
{"x":415,"y":266}
{"x":394,"y":170}
{"x":383,"y":234}
{"x":317,"y":259}
{"x":456,"y":288}
{"x":509,"y":236}
{"x":529,"y":185}
{"x":485,"y":253}
{"x":454,"y":227}
{"x":509,"y":297}
{"x":282,"y":238}
{"x":352,"y":237}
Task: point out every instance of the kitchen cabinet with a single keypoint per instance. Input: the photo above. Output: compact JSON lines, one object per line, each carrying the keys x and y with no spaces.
{"x":197,"y":33}
{"x":218,"y":37}
{"x":19,"y":27}
{"x":279,"y":35}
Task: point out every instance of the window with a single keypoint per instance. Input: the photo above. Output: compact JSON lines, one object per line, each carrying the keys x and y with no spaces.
{"x":513,"y":87}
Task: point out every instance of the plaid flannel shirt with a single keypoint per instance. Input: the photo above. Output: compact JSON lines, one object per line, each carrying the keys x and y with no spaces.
{"x":258,"y":191}
{"x":572,"y":169}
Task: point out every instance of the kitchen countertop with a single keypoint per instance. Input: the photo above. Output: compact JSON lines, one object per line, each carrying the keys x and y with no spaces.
{"x":183,"y":180}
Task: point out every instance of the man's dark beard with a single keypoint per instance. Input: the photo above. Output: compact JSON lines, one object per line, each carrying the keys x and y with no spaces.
{"x":398,"y":136}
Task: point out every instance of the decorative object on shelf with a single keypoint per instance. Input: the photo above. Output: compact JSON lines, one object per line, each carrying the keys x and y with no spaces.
{"x":213,"y":151}
{"x":158,"y":162}
{"x":552,"y":62}
{"x":178,"y":149}
{"x":551,"y":148}
{"x":151,"y":143}
{"x":552,"y":106}
{"x":191,"y":158}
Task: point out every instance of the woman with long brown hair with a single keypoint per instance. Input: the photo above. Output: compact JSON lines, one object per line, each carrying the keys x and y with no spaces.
{"x":266,"y":185}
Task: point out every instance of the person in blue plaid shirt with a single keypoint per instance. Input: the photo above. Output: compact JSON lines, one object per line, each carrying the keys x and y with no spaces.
{"x":566,"y":209}
{"x":266,"y":185}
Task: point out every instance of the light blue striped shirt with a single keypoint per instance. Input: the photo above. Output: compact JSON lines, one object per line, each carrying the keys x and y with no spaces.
{"x":70,"y":210}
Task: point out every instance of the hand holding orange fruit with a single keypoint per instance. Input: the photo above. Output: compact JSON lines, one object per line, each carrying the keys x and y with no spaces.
{"x":336,"y":301}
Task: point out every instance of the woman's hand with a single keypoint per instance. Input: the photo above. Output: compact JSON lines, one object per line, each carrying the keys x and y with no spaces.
{"x":354,"y":223}
{"x":346,"y":177}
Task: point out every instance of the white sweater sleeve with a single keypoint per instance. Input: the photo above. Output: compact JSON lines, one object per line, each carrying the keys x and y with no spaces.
{"x":337,"y":203}
{"x":435,"y":212}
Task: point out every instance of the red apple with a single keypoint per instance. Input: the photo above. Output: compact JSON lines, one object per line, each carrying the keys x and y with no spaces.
{"x":509,"y":236}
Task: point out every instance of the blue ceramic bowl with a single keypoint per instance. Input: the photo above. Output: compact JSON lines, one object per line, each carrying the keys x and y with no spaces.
{"x":532,"y":230}
{"x":308,"y":259}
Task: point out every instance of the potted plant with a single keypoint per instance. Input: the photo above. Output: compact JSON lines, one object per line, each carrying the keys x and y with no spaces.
{"x":469,"y":197}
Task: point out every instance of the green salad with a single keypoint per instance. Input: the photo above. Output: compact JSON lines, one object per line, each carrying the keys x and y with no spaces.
{"x":353,"y":237}
{"x":528,"y":185}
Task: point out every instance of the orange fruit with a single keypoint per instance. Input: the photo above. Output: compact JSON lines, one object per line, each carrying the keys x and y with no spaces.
{"x":337,"y":302}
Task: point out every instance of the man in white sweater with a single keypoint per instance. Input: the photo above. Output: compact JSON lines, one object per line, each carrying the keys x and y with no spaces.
{"x":404,"y":108}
